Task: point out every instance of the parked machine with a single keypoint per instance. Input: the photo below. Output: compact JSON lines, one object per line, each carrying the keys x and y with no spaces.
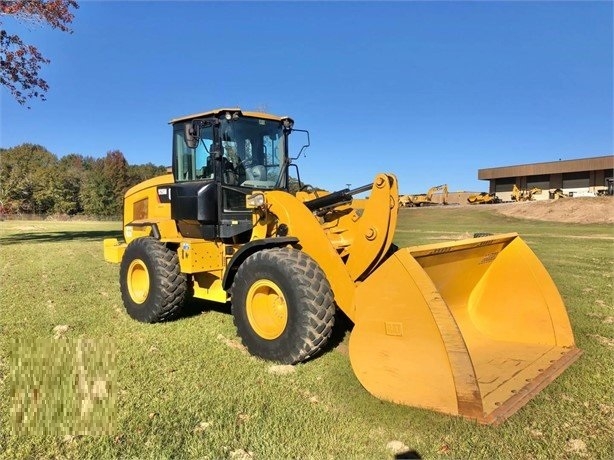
{"x":405,"y":201}
{"x":524,"y":195}
{"x":556,"y":194}
{"x":483,"y":198}
{"x":425,"y":199}
{"x":441,"y":326}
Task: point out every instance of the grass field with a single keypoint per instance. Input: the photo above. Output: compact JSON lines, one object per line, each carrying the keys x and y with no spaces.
{"x":80,"y":379}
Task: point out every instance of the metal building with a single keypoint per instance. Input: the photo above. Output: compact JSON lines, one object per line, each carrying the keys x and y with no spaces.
{"x":580,"y":177}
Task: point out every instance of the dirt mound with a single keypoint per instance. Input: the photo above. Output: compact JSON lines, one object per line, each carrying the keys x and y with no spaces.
{"x":583,"y":210}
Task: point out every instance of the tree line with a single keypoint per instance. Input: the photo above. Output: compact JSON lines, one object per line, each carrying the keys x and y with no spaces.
{"x":35,"y":181}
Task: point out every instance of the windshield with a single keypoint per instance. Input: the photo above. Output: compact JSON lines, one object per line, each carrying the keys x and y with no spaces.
{"x":255,"y":150}
{"x":252,"y":153}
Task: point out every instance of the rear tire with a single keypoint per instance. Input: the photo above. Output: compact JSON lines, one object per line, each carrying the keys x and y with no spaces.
{"x":152,"y":285}
{"x":282,"y":305}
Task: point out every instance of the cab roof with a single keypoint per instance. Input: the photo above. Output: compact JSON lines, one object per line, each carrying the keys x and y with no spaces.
{"x":217,"y":112}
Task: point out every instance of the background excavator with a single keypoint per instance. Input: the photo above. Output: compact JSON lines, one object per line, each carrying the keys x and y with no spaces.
{"x":426,"y":199}
{"x":473,"y":327}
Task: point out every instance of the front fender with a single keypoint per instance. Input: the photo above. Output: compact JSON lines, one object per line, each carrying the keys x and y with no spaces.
{"x":250,"y":248}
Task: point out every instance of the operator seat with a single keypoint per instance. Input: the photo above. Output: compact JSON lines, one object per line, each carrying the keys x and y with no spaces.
{"x":257,"y":172}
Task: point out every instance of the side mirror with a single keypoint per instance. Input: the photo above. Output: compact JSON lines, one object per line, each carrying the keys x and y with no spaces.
{"x":191,"y":135}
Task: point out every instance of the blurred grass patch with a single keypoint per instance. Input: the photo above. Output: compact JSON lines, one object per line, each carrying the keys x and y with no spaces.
{"x":61,"y":386}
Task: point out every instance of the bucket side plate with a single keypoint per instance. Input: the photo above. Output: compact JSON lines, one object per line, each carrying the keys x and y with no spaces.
{"x":472,"y":328}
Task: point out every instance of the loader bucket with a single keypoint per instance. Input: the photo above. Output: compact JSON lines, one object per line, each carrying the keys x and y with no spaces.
{"x":473,"y":328}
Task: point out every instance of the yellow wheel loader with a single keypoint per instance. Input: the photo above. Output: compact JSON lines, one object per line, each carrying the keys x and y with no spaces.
{"x":405,"y":201}
{"x":483,"y":198}
{"x":442,"y":326}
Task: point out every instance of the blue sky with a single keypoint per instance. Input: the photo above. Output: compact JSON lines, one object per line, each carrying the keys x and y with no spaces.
{"x":429,"y":91}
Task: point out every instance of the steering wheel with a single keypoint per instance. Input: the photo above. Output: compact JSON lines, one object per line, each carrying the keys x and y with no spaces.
{"x":307,"y":188}
{"x":229,"y":171}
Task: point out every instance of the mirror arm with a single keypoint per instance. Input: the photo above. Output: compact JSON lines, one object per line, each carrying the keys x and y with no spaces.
{"x":304,"y":146}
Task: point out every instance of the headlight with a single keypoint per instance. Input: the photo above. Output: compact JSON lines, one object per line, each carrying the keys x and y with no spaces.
{"x":255,"y":200}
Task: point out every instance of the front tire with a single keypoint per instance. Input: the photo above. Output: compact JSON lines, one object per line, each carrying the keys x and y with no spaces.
{"x":282,"y":305}
{"x":152,"y":285}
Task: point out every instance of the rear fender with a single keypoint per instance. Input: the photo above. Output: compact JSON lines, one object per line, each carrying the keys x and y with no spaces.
{"x":162,"y":229}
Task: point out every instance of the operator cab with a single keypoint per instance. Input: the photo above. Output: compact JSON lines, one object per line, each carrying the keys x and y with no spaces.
{"x":220,"y":157}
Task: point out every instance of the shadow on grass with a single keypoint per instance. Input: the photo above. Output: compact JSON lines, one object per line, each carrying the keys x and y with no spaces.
{"x":53,"y":237}
{"x":409,"y":454}
{"x":343,"y":325}
{"x":195,"y":307}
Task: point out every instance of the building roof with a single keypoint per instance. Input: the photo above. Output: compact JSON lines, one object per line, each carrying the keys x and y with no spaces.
{"x":550,"y":167}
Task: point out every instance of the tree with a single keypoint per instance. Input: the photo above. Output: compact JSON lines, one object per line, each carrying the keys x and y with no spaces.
{"x":103,"y":189}
{"x":25,"y":179}
{"x":20,"y":63}
{"x":139,"y":173}
{"x":34,"y":180}
{"x":68,"y":176}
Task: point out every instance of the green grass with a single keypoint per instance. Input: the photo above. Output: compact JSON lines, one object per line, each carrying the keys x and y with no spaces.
{"x":106,"y":386}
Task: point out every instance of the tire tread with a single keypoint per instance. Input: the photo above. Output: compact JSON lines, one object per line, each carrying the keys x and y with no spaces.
{"x":311,"y":283}
{"x":170,"y":295}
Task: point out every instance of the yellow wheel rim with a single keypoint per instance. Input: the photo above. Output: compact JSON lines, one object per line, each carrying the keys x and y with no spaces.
{"x":138,"y":281}
{"x":267,"y":310}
